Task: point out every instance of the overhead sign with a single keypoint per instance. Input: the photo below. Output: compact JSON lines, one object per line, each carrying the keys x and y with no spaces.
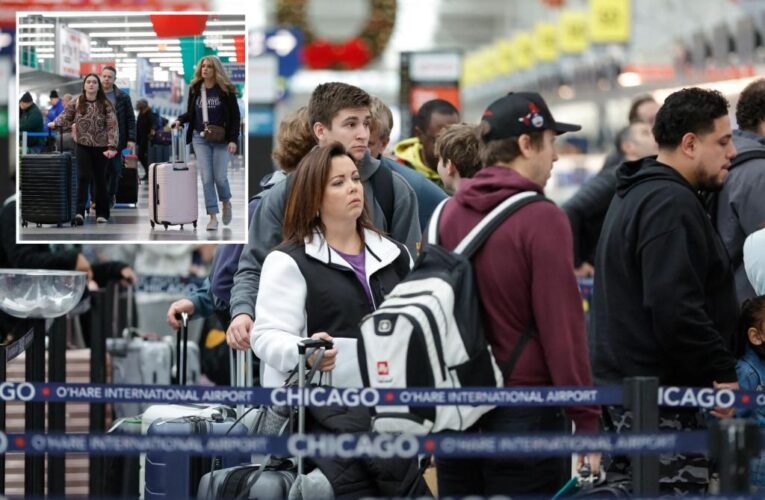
{"x":524,"y":51}
{"x":573,"y":32}
{"x":435,"y":66}
{"x":546,"y":42}
{"x":152,"y":88}
{"x":72,"y":46}
{"x":286,"y":44}
{"x":236,"y":72}
{"x":610,"y":21}
{"x":96,"y":67}
{"x":262,"y":82}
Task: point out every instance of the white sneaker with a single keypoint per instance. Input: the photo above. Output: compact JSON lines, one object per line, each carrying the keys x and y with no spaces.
{"x":79,"y":219}
{"x":102,"y":220}
{"x":212,"y":225}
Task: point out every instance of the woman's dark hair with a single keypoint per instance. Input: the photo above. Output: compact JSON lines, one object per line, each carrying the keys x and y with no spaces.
{"x":752,"y":315}
{"x":100,"y":96}
{"x":310,"y":179}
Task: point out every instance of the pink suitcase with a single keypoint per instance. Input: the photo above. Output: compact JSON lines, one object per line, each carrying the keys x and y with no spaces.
{"x":173,"y":190}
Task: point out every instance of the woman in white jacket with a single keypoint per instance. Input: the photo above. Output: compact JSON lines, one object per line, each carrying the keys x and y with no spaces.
{"x":332,"y":269}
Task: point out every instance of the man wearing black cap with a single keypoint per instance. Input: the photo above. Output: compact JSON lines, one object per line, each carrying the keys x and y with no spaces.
{"x":56,"y":106}
{"x":31,"y":120}
{"x":526,"y":283}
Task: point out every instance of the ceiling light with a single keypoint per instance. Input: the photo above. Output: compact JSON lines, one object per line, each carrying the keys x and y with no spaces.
{"x":109,"y":25}
{"x":227,"y":54}
{"x":113,"y":34}
{"x":166,"y":60}
{"x":629,"y":79}
{"x":35,"y":26}
{"x":229,"y":32}
{"x":226,"y":23}
{"x":156,"y":53}
{"x":101,"y":49}
{"x":31,"y":36}
{"x":45,"y":50}
{"x":166,"y":41}
{"x":35,"y":44}
{"x":152,"y":48}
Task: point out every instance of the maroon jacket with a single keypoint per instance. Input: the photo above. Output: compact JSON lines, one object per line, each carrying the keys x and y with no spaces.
{"x":525,"y":271}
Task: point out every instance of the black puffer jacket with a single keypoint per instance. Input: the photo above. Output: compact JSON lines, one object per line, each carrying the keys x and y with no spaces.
{"x":231,"y":116}
{"x":365,"y":477}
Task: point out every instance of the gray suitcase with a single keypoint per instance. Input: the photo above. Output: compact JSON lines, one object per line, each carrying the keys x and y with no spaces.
{"x":273,"y":480}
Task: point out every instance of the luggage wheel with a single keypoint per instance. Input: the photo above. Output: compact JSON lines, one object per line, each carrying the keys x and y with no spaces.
{"x":152,"y":224}
{"x":58,"y":225}
{"x":165,"y":226}
{"x":181,"y":227}
{"x":24,"y":223}
{"x":39,"y":225}
{"x":195,"y":225}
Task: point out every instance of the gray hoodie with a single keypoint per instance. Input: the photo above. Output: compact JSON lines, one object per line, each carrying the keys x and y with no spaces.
{"x":754,"y":260}
{"x":741,"y":206}
{"x":266,"y":231}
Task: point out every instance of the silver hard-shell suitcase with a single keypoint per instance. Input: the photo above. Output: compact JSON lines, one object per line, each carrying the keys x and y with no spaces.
{"x":173,"y":195}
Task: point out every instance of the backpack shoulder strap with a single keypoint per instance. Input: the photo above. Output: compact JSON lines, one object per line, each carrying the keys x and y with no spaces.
{"x":431,"y":238}
{"x":746,"y":156}
{"x":382,"y":187}
{"x":478,"y":235}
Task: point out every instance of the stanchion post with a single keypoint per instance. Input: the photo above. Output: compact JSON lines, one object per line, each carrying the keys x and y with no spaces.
{"x":56,"y":411}
{"x":3,"y":376}
{"x":101,"y":323}
{"x":34,"y":413}
{"x":733,"y":443}
{"x":641,"y":397}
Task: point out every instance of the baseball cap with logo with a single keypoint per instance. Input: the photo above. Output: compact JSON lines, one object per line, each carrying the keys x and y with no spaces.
{"x":521,"y":113}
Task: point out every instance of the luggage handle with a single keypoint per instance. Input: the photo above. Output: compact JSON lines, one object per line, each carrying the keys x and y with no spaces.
{"x":181,"y":353}
{"x":303,"y":349}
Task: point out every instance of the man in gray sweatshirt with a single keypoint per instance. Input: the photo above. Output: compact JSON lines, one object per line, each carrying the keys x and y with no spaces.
{"x":338,"y":113}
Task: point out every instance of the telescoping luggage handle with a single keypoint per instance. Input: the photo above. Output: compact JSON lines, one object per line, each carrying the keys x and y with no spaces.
{"x":176,"y":147}
{"x":182,"y":349}
{"x":306,"y":347}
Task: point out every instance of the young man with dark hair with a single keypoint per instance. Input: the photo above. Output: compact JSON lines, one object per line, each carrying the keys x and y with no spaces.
{"x":458,"y":151}
{"x":338,"y":113}
{"x":664,"y":301}
{"x":429,"y":195}
{"x":418,"y":152}
{"x":740,"y":208}
{"x":125,"y":123}
{"x":528,"y":292}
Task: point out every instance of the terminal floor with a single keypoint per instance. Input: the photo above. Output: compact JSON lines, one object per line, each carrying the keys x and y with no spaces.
{"x":131,"y":223}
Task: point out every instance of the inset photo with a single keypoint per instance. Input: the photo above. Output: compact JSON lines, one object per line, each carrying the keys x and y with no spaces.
{"x":130,"y":127}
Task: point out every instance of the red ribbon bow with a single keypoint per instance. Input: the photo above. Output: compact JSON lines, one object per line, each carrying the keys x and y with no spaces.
{"x":323,"y":54}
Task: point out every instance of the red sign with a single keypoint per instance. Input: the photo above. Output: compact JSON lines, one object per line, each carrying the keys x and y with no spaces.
{"x":419,"y":95}
{"x":96,"y":67}
{"x":175,"y":25}
{"x":382,"y":368}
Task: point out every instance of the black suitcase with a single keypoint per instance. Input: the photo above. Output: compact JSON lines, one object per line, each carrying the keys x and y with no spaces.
{"x":48,"y":189}
{"x":127,"y":188}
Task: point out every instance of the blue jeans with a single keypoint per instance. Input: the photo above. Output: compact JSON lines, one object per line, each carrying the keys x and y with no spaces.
{"x":114,"y":172}
{"x":212,"y":163}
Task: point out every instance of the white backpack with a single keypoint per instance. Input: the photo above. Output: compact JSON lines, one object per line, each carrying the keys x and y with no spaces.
{"x":428,"y":332}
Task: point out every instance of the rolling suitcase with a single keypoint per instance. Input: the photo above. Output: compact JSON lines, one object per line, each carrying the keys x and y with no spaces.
{"x":136,"y":360}
{"x":127,"y":188}
{"x":272,"y":478}
{"x":173,"y":190}
{"x":171,"y":475}
{"x":48,"y":188}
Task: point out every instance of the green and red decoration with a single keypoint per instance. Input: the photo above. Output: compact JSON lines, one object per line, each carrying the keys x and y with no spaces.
{"x":353,"y":53}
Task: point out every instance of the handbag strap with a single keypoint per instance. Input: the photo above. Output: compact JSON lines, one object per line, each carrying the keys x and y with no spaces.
{"x":205,"y":119}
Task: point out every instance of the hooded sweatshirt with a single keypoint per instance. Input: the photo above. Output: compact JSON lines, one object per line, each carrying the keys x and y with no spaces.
{"x":754,"y":260}
{"x":525,"y":274}
{"x":741,"y":205}
{"x":409,"y":152}
{"x":664,"y":300}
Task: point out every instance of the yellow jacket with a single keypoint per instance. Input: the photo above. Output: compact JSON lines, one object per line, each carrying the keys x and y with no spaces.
{"x":410,"y":151}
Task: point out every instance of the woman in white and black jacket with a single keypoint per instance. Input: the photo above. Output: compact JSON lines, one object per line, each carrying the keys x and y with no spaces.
{"x":213,"y":157}
{"x":333,"y":268}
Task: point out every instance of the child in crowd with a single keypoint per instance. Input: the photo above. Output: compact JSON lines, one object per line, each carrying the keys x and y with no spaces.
{"x":751,"y":368}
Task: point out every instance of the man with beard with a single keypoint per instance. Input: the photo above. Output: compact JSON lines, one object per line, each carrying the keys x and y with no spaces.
{"x":664,"y":300}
